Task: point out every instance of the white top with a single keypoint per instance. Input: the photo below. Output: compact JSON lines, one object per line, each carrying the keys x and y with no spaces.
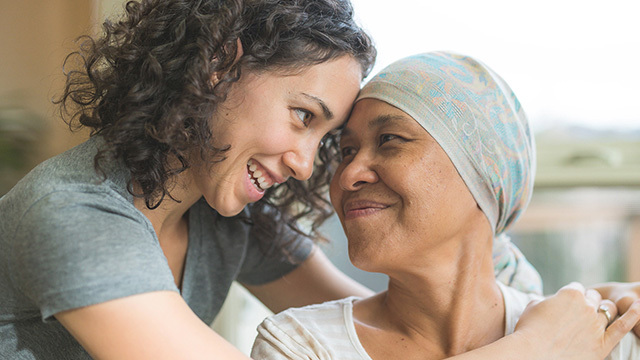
{"x":326,"y":331}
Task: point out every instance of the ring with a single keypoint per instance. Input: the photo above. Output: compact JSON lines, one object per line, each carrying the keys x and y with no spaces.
{"x":605,"y":310}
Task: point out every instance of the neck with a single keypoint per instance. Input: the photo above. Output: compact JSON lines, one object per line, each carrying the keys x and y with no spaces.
{"x":171,"y":212}
{"x":452,"y":304}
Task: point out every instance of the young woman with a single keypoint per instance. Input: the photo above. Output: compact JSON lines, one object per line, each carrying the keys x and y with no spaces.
{"x":125,"y":246}
{"x":206,"y":116}
{"x":437,"y":161}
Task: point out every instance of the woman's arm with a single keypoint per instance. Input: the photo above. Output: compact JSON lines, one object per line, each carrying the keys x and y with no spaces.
{"x":622,"y":294}
{"x":566,"y":326}
{"x":157,"y":325}
{"x":315,"y":281}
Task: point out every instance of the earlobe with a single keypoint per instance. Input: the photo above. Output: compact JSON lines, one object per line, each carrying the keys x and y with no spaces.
{"x":214,"y":79}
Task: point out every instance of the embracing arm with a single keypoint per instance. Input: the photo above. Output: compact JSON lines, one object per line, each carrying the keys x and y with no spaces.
{"x":316,"y":280}
{"x":563,"y":326}
{"x":156,"y":325}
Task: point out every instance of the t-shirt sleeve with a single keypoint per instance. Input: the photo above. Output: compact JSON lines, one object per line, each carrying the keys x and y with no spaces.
{"x":74,"y":249}
{"x":261,"y":266}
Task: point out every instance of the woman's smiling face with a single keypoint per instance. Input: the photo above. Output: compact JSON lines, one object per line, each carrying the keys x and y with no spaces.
{"x":274,"y":124}
{"x":395,"y":191}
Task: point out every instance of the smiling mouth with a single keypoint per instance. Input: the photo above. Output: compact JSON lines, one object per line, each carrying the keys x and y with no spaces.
{"x":362,"y":208}
{"x":260,"y":180}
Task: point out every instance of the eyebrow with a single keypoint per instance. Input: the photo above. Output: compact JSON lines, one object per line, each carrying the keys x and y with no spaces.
{"x":384,"y":119}
{"x":379,"y":121}
{"x":328,"y":114}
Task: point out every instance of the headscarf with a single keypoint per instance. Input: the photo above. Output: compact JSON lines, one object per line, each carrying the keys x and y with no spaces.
{"x":478,"y":121}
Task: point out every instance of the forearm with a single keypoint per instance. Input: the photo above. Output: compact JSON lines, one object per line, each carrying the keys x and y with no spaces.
{"x":157,"y":325}
{"x":315,"y":281}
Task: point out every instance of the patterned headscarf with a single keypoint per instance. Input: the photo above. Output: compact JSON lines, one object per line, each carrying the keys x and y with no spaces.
{"x":477,"y":119}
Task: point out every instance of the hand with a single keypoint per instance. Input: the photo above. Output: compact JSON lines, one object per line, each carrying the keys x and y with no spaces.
{"x":623,"y":295}
{"x":568,"y":325}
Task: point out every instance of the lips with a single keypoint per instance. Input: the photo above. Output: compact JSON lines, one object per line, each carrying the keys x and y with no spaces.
{"x":259,"y":176}
{"x":359,"y":208}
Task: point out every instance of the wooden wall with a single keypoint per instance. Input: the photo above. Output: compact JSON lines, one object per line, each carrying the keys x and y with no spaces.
{"x":35,"y":37}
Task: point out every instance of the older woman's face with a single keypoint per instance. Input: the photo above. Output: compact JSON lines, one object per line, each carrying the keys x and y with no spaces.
{"x":396,"y":192}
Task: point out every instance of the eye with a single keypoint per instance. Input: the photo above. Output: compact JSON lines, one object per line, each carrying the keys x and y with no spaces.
{"x":347,"y":151}
{"x":304,"y":115}
{"x":386,"y":138}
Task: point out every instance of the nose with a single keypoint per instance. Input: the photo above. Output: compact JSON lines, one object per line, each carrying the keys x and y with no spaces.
{"x":300,"y":161}
{"x":357,"y":173}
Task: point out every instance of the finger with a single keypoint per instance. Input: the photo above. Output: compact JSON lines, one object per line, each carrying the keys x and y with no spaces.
{"x":624,"y":301}
{"x":608,"y":310}
{"x":620,"y":327}
{"x":593,"y":297}
{"x":573,"y":286}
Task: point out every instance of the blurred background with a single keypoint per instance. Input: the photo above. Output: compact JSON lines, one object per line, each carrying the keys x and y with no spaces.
{"x":572,"y":63}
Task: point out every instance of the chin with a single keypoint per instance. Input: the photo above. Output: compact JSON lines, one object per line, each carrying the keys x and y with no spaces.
{"x":230,"y":213}
{"x":362,"y":258}
{"x":366,"y":264}
{"x":227,"y":210}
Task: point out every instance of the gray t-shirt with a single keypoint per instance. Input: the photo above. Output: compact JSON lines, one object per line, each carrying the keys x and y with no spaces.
{"x":70,"y":238}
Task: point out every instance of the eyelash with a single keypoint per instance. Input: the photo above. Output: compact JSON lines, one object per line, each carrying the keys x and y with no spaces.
{"x":343,"y":151}
{"x":308,"y":116}
{"x":381,"y":141}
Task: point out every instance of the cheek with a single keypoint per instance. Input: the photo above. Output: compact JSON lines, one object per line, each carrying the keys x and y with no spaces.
{"x":262,"y":137}
{"x":427,"y":190}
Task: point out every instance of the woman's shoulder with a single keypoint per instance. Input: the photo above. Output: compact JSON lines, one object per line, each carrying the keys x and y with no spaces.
{"x":324,"y":331}
{"x":62,"y":191}
{"x":313,"y":320}
{"x":335,"y":308}
{"x":69,"y":177}
{"x":515,"y":301}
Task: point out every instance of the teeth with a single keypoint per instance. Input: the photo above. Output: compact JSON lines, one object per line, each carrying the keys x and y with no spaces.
{"x":257,"y":179}
{"x":265,"y":185}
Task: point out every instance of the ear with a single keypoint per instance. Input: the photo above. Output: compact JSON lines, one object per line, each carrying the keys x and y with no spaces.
{"x":239,"y":50}
{"x":239,"y":53}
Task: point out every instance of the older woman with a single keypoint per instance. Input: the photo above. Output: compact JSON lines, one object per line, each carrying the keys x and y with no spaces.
{"x":426,"y":208}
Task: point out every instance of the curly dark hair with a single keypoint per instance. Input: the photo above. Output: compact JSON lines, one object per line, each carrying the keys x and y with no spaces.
{"x":145,"y":87}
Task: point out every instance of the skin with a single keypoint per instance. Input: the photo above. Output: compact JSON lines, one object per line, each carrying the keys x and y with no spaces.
{"x":160,"y":325}
{"x":408,"y":214}
{"x":278,"y":122}
{"x":624,"y":295}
